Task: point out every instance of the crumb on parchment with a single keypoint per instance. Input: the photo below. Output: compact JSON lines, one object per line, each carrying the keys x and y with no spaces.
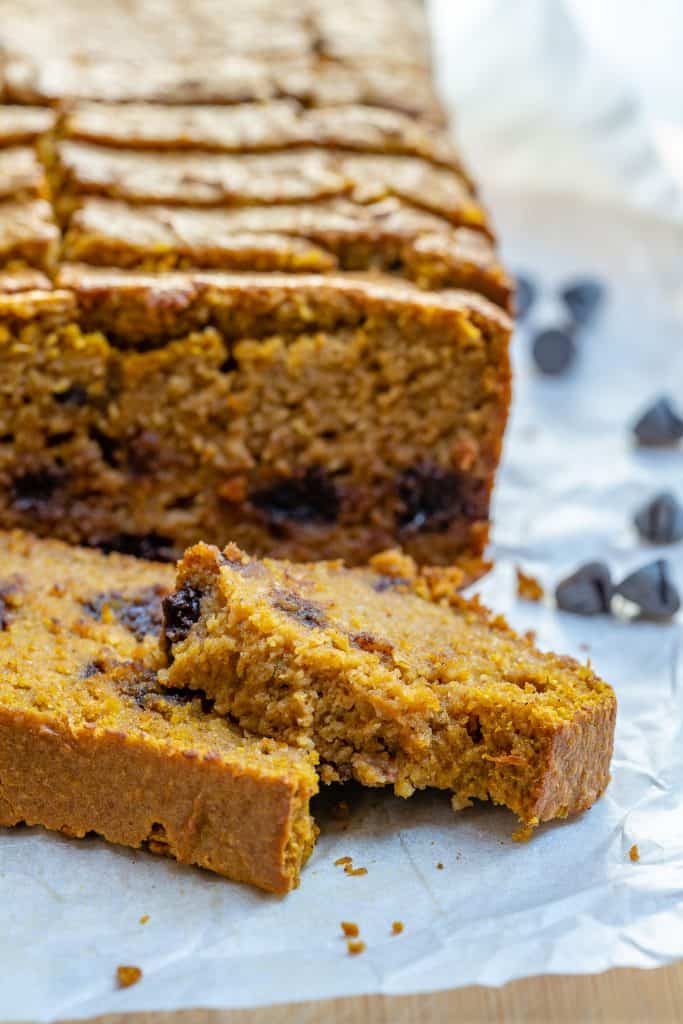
{"x":525,"y":831}
{"x":127,"y":975}
{"x":396,"y":927}
{"x":528,"y":587}
{"x":350,"y":929}
{"x":349,"y":869}
{"x":634,"y":853}
{"x":144,"y":919}
{"x":355,"y":947}
{"x":440,"y":866}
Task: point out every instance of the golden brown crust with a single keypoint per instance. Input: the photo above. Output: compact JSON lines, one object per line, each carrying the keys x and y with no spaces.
{"x":23,"y":125}
{"x":237,"y":179}
{"x":89,"y":743}
{"x":22,"y":175}
{"x":29,"y":236}
{"x":328,"y":235}
{"x":256,"y":127}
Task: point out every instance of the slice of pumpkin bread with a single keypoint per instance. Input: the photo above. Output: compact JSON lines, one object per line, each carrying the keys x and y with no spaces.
{"x":391,"y":677}
{"x":90,"y":742}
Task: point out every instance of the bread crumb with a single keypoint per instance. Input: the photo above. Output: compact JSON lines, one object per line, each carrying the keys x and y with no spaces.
{"x":440,"y":866}
{"x":525,"y":831}
{"x":144,"y":919}
{"x":634,"y":854}
{"x":127,"y":976}
{"x":343,"y":860}
{"x":396,"y":927}
{"x":350,"y":870}
{"x":350,"y":929}
{"x":528,"y":587}
{"x":355,"y":947}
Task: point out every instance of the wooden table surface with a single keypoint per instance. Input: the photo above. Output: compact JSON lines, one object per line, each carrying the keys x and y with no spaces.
{"x":631,"y":997}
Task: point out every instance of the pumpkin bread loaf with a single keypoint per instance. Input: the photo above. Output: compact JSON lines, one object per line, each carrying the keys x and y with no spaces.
{"x":248,"y":290}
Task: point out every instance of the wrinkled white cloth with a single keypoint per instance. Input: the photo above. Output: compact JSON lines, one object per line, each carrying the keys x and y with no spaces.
{"x":538,"y":108}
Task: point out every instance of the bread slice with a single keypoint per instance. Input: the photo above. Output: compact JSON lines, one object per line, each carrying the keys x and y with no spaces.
{"x":392,"y":678}
{"x":89,"y":742}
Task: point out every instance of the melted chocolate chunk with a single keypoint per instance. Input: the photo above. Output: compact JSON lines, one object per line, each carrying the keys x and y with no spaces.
{"x":588,"y":591}
{"x":180,"y":612}
{"x":312,"y":497}
{"x":306,"y":612}
{"x":150,"y":546}
{"x":93,"y":668}
{"x":136,"y":681}
{"x":33,"y":491}
{"x":432,"y":497}
{"x":139,"y":612}
{"x":75,"y":395}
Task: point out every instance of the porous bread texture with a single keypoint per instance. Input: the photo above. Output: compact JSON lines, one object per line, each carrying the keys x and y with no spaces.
{"x":392,"y":678}
{"x":302,"y":416}
{"x":90,"y":742}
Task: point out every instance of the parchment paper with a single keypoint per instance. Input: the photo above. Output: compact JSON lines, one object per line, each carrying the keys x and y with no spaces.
{"x":569,"y":901}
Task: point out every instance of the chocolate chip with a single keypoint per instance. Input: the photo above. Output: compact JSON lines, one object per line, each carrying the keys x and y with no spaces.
{"x":180,"y":612}
{"x":383,"y":583}
{"x":651,"y":590}
{"x":93,"y":668}
{"x":661,"y":520}
{"x":583,"y":299}
{"x":588,"y":591}
{"x":32,"y":491}
{"x":139,"y":612}
{"x":76,"y":394}
{"x":312,"y":497}
{"x":304,"y":611}
{"x":525,"y":295}
{"x":659,"y":425}
{"x":151,"y":546}
{"x":554,"y":350}
{"x":432,"y":497}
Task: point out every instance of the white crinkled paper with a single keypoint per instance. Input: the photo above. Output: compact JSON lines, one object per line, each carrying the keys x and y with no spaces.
{"x":569,"y":901}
